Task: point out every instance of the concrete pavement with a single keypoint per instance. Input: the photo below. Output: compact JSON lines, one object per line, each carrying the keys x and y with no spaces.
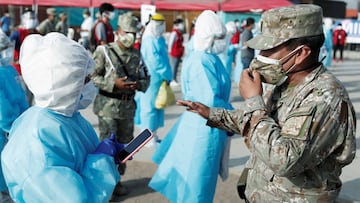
{"x":141,"y":168}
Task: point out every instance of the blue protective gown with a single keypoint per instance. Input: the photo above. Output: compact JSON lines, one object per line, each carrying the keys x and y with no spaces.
{"x":189,"y":158}
{"x":62,"y":167}
{"x":227,"y":57}
{"x":155,"y":56}
{"x":238,"y":68}
{"x":327,"y":48}
{"x":12,"y":103}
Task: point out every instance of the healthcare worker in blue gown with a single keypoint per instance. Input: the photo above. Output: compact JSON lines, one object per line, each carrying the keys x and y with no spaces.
{"x":189,"y":157}
{"x":326,"y":49}
{"x":155,"y":55}
{"x":227,"y":56}
{"x":53,"y":153}
{"x":12,"y":100}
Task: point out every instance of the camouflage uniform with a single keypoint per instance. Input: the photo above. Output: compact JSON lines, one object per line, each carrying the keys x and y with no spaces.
{"x":114,"y":107}
{"x":300,"y":138}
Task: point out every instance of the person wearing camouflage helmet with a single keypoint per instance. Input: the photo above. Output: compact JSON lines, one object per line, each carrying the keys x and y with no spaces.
{"x":119,"y":73}
{"x":301,"y":130}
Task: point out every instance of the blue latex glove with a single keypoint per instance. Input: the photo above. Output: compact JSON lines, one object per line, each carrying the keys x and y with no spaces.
{"x":110,"y":147}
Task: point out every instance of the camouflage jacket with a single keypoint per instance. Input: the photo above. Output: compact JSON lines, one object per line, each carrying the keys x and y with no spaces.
{"x":299,"y":139}
{"x":105,"y":75}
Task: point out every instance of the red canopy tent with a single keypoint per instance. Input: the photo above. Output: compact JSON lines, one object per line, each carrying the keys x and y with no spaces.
{"x":187,"y":5}
{"x":224,"y":5}
{"x":17,"y":2}
{"x":252,"y":5}
{"x":125,"y":4}
{"x":67,"y":3}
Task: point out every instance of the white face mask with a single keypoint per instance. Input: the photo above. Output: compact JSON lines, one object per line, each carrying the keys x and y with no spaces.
{"x":181,"y":27}
{"x":127,"y":39}
{"x":218,"y":46}
{"x":110,"y":15}
{"x":87,"y":96}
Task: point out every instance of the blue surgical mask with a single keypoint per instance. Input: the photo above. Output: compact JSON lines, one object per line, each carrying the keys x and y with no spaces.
{"x":87,"y":96}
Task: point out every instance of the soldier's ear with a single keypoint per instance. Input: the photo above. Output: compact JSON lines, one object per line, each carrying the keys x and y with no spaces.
{"x":302,"y":54}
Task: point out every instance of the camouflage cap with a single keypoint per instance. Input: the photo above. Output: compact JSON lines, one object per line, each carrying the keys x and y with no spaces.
{"x":51,"y":11}
{"x":278,"y":25}
{"x":128,"y":23}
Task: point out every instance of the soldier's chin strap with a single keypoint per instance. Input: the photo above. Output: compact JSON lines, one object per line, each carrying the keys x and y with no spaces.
{"x":322,"y":59}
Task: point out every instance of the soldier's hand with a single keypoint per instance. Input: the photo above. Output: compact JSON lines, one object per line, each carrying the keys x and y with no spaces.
{"x":122,"y":84}
{"x":250,"y":84}
{"x":195,"y":107}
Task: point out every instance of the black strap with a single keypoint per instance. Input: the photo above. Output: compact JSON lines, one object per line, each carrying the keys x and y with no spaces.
{"x":116,"y":96}
{"x":122,"y":64}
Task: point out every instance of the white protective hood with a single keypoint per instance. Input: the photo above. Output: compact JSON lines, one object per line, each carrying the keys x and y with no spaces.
{"x":207,"y":27}
{"x":154,"y":28}
{"x":54,"y":68}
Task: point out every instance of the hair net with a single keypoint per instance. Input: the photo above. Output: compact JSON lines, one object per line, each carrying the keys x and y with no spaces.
{"x":54,"y":68}
{"x":208,"y":26}
{"x":230,"y":27}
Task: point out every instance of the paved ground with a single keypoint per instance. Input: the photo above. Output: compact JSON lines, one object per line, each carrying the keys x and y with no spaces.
{"x":140,"y":169}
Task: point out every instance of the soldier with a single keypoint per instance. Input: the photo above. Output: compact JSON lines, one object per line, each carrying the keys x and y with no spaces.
{"x":48,"y":25}
{"x":119,"y":72}
{"x":301,"y":133}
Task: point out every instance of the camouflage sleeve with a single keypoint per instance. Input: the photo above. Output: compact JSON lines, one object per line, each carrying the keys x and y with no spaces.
{"x":104,"y":76}
{"x":235,"y":121}
{"x":310,"y":134}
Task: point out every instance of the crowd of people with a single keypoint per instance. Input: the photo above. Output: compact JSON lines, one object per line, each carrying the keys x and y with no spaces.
{"x":300,"y":130}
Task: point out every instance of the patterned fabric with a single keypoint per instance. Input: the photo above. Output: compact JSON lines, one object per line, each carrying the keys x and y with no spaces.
{"x":128,"y":23}
{"x":278,"y":25}
{"x":299,"y":137}
{"x":123,"y":106}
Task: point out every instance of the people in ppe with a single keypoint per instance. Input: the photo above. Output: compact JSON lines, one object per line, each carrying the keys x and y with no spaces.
{"x":52,"y":153}
{"x":119,"y":73}
{"x":12,"y":100}
{"x":326,"y":49}
{"x":27,"y":27}
{"x":227,"y":56}
{"x":303,"y":127}
{"x":154,"y":52}
{"x":189,"y":157}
